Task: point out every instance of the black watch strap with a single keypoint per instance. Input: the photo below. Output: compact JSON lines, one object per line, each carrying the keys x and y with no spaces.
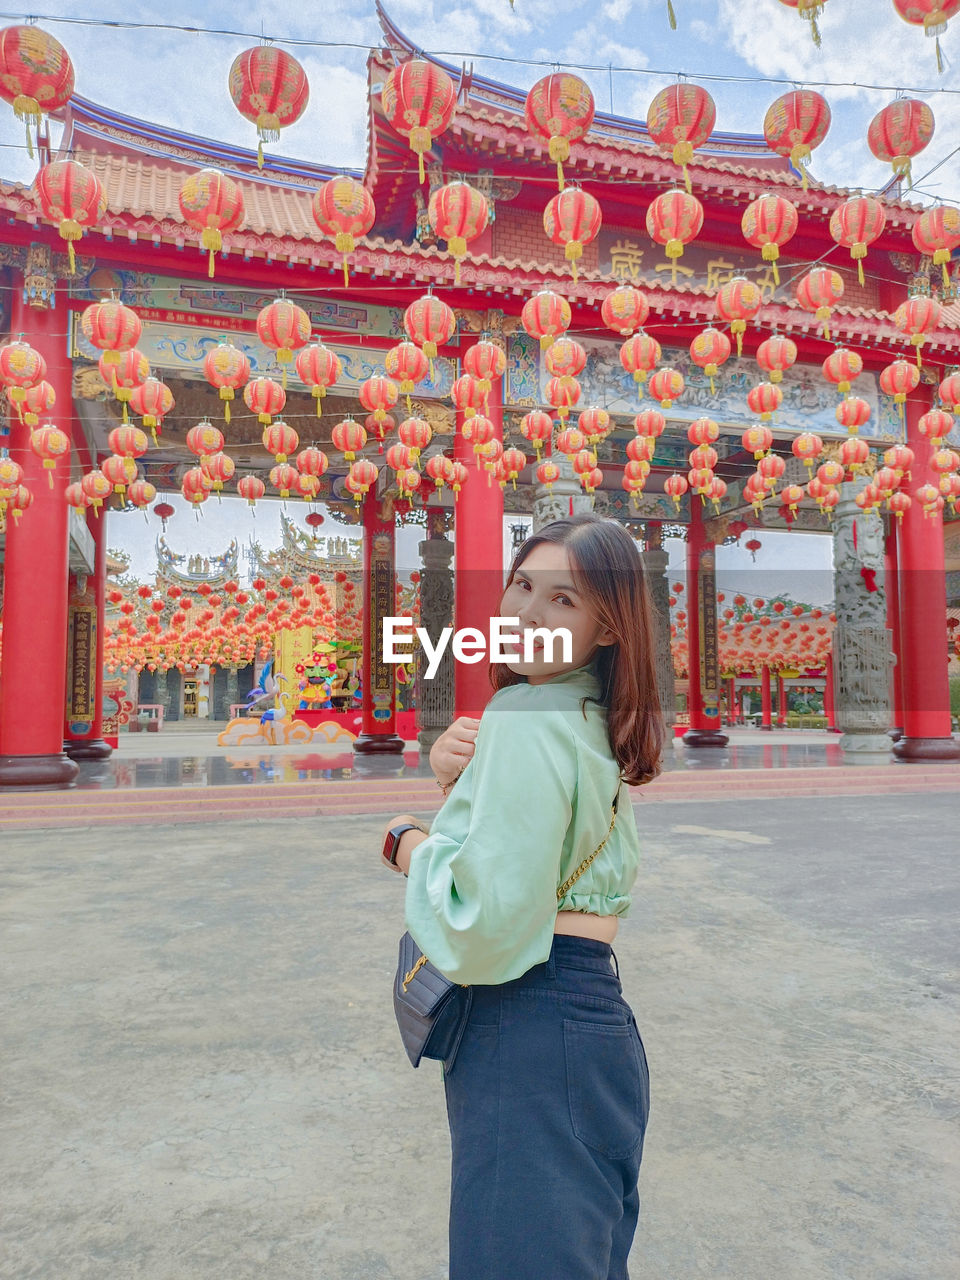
{"x":397,"y":832}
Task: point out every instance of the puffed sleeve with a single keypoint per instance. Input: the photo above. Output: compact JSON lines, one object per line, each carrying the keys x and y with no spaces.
{"x":482,"y":907}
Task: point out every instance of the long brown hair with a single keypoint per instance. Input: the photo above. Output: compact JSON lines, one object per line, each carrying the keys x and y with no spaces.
{"x":608,"y":574}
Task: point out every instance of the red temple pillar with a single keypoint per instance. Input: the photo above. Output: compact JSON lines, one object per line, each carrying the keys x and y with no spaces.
{"x":732,"y":700}
{"x":703,"y":661}
{"x":765,"y":707}
{"x":83,"y":738}
{"x":892,"y":589}
{"x":33,"y":676}
{"x":781,"y":701}
{"x":478,"y":561}
{"x":923,"y":609}
{"x":378,"y":732}
{"x":829,"y":704}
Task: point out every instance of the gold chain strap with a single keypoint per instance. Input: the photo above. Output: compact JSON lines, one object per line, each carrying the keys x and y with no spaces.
{"x":586,"y":862}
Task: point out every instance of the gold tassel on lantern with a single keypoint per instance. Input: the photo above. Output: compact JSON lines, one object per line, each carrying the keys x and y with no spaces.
{"x":859,"y":251}
{"x":573,"y":252}
{"x":738,"y":328}
{"x":420,"y":142}
{"x":26,"y":108}
{"x":671,"y":15}
{"x":559,"y":151}
{"x":797,"y":156}
{"x":770,"y":253}
{"x":344,"y":243}
{"x":211,"y":240}
{"x":71,"y":230}
{"x":682,"y":155}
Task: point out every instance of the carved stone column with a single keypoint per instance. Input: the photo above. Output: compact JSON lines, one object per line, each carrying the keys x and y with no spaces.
{"x":164,"y":695}
{"x":554,"y":506}
{"x":231,"y":695}
{"x":862,"y":647}
{"x":655,"y":562}
{"x":435,"y":698}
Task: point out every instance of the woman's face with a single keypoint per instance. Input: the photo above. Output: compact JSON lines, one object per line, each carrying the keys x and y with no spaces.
{"x":542,"y":594}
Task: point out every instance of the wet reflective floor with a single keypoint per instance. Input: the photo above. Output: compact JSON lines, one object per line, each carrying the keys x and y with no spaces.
{"x":200,"y":768}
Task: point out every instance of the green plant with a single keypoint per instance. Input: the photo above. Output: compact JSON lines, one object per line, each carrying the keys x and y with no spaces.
{"x":955,"y":696}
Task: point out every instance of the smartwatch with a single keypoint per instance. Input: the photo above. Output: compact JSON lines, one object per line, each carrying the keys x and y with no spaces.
{"x":391,"y":842}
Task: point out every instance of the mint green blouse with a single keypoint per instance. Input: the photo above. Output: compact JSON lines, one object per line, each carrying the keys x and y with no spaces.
{"x":532,"y":803}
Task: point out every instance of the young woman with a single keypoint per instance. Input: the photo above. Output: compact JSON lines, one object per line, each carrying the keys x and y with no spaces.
{"x":548,"y":1094}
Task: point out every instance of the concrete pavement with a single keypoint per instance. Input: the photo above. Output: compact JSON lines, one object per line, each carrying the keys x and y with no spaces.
{"x":202,"y":1078}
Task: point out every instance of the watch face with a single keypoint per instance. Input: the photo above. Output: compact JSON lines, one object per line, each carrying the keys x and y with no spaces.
{"x":392,"y":841}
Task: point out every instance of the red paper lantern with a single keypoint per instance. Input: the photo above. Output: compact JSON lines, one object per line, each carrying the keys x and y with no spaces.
{"x":595,"y":424}
{"x":430,"y":323}
{"x":485,"y":361}
{"x":283,"y":327}
{"x":641,"y":449}
{"x":842,"y":367}
{"x":935,"y":424}
{"x":280,"y":439}
{"x":831,"y":473}
{"x":218,"y":468}
{"x":363,"y":474}
{"x":936,"y":233}
{"x":932,"y":15}
{"x":398,"y":457}
{"x":251,"y":488}
{"x":898,"y":380}
{"x":565,"y":358}
{"x":211,"y":203}
{"x":702,"y":431}
{"x":36,"y":75}
{"x":343,"y":209}
{"x":546,"y":316}
{"x":949,"y":392}
{"x":770,"y":468}
{"x":807,"y":446}
{"x":152,"y":400}
{"x":819,"y":291}
{"x":562,"y":394}
{"x":855,"y":224}
{"x":416,"y":434}
{"x":757,"y":440}
{"x":666,"y":385}
{"x":466,"y":395}
{"x":674,"y":218}
{"x":50,"y":443}
{"x":111,"y":327}
{"x":738,"y":301}
{"x":71,"y":196}
{"x":418,"y":100}
{"x":675,"y":486}
{"x":407,"y":363}
{"x":38,"y":401}
{"x":681,"y":117}
{"x":572,"y":219}
{"x":141,"y":493}
{"x":650,"y":422}
{"x":312,"y":462}
{"x":458,"y":214}
{"x":917,"y":317}
{"x":204,"y":438}
{"x":709,"y":350}
{"x":97,"y":487}
{"x":284,"y":477}
{"x":900,"y":458}
{"x":349,"y":437}
{"x":440,"y":470}
{"x":478,"y":431}
{"x":570,"y":441}
{"x":765,"y":399}
{"x":852,"y":413}
{"x":775,"y":355}
{"x":378,"y":395}
{"x":899,"y":132}
{"x":537,"y":427}
{"x":269,"y":87}
{"x":318,"y":368}
{"x":854,"y":452}
{"x":795,"y":124}
{"x":131,"y":369}
{"x":265,"y":398}
{"x":768,"y":223}
{"x":128,"y":442}
{"x":547,"y":473}
{"x":559,"y":108}
{"x":640,"y":355}
{"x":119,"y":471}
{"x":226,"y":368}
{"x":625,"y":309}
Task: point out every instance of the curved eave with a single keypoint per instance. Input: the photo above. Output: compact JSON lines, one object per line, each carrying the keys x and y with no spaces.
{"x":112,"y":130}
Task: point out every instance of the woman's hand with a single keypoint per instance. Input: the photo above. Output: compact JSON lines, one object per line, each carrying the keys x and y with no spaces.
{"x":453,"y":750}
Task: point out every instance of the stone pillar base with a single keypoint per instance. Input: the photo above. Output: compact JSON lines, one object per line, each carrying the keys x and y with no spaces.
{"x":427,"y":737}
{"x":704,"y":738}
{"x":895,"y":734}
{"x":871,"y":744}
{"x":767,"y":728}
{"x":88,"y":749}
{"x":378,"y":744}
{"x":927,"y":749}
{"x":53,"y":772}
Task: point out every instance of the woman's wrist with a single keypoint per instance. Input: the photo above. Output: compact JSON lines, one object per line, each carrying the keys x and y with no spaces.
{"x":446,"y":787}
{"x":406,"y":845}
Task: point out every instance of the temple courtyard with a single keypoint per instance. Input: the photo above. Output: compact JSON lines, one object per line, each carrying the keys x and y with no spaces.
{"x":202,"y":1077}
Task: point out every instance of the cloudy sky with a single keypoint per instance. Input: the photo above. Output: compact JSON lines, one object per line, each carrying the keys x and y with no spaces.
{"x":756,"y":49}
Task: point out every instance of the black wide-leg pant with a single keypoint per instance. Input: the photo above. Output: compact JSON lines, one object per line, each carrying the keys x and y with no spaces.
{"x":547,"y":1099}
